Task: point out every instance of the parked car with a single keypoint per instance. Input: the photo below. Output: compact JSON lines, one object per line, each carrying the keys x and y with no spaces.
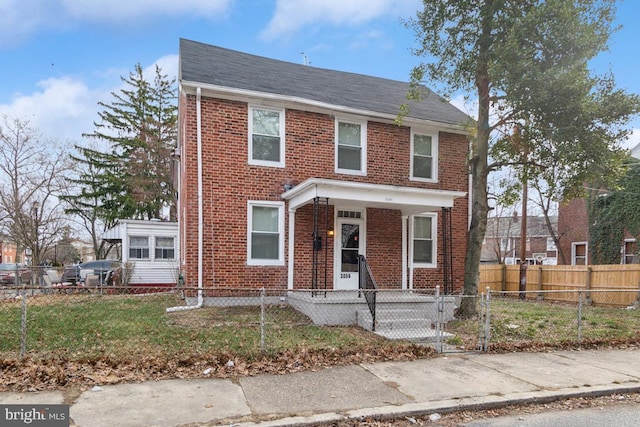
{"x":77,"y":273}
{"x":8,"y":274}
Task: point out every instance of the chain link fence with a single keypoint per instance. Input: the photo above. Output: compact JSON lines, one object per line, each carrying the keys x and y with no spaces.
{"x":512,"y":320}
{"x":91,"y":321}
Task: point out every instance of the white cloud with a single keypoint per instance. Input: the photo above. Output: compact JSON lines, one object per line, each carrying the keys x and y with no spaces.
{"x":463,"y":103}
{"x":292,"y":15}
{"x":633,"y":140}
{"x":116,"y":10}
{"x":64,"y":108}
{"x":19,"y":18}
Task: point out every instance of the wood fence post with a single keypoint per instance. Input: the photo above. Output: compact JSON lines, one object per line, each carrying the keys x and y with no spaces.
{"x":503,"y":285}
{"x":588,"y":286}
{"x":540,"y":293}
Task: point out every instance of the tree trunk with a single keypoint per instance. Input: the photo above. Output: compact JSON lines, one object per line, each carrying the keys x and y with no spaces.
{"x":479,"y":172}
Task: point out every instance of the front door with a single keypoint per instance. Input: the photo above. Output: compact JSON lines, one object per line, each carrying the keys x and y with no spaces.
{"x":349,"y":244}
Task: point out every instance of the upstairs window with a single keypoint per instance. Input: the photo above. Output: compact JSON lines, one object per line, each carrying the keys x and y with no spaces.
{"x":579,"y":251}
{"x":424,"y":152}
{"x":138,"y":247}
{"x":266,"y":137}
{"x":165,"y":248}
{"x":630,"y":252}
{"x":351,"y":154}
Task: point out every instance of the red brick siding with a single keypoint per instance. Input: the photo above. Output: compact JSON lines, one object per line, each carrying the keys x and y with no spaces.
{"x":573,"y":226}
{"x":229,"y":181}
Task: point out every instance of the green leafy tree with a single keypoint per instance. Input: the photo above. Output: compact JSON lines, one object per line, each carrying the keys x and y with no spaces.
{"x":526,"y":62}
{"x":131,"y":178}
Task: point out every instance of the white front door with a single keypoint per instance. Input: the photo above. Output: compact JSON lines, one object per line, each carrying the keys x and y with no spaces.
{"x":349,"y":244}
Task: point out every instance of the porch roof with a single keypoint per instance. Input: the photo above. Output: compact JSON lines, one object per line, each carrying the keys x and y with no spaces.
{"x":409,"y":200}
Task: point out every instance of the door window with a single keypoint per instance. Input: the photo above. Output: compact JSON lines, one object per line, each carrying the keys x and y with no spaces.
{"x":350,"y":247}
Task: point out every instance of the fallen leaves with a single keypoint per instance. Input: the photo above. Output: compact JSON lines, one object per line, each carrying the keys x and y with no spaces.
{"x":60,"y":372}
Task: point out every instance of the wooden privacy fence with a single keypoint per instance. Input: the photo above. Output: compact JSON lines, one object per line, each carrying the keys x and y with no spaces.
{"x":614,"y":285}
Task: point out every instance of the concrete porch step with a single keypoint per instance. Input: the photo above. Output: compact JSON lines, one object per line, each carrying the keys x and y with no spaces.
{"x":398,"y":323}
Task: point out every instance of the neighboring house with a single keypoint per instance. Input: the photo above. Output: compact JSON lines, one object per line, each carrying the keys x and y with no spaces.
{"x":502,"y":242}
{"x":289,"y":172}
{"x":85,"y":250}
{"x":573,"y":229}
{"x":150,"y":247}
{"x":8,"y":250}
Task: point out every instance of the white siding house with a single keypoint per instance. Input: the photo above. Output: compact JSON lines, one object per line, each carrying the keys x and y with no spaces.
{"x":152,"y":249}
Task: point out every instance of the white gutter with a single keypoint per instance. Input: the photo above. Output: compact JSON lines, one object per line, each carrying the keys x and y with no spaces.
{"x":200,"y":302}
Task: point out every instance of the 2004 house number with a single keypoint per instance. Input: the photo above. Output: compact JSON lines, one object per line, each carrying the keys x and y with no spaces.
{"x":345,"y":275}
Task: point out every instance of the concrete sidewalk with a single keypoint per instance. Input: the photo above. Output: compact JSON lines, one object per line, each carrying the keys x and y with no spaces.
{"x":453,"y":382}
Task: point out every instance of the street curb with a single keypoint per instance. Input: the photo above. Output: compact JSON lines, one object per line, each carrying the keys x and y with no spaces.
{"x":448,"y":406}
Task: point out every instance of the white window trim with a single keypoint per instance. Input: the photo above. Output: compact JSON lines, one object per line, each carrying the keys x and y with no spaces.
{"x":148,"y":247}
{"x":573,"y":252}
{"x":363,"y":146}
{"x":280,"y":206}
{"x":252,"y":161}
{"x":434,"y":234}
{"x":434,"y":155}
{"x":155,"y":247}
{"x":623,"y":250}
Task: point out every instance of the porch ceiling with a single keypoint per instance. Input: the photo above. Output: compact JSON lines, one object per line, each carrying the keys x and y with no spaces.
{"x":409,"y":200}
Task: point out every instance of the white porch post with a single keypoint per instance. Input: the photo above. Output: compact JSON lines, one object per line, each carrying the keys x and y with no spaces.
{"x":405,"y":251}
{"x":291,"y":242}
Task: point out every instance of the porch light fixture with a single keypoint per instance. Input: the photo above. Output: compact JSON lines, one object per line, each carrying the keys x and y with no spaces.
{"x":330,"y":233}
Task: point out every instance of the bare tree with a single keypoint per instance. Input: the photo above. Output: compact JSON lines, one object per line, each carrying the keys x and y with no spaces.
{"x":32,"y":176}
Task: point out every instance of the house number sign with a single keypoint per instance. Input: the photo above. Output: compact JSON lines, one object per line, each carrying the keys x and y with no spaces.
{"x":345,"y":275}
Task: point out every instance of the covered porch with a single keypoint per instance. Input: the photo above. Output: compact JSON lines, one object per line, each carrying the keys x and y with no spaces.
{"x":331,"y":223}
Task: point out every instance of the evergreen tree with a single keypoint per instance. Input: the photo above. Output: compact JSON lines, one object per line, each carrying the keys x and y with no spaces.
{"x":130,"y":179}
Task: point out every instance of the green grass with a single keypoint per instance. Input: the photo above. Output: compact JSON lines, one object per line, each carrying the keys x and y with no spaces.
{"x":85,"y":327}
{"x":514,"y":321}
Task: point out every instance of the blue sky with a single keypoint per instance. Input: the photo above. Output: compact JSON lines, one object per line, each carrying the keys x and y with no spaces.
{"x":61,"y":57}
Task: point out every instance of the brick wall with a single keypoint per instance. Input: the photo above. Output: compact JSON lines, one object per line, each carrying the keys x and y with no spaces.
{"x":573,"y":226}
{"x":229,"y":181}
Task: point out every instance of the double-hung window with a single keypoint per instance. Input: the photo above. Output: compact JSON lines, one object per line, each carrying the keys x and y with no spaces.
{"x":266,"y":137}
{"x":265,"y":240}
{"x":579,"y":253}
{"x":630,"y":252}
{"x":165,"y":248}
{"x":138,"y":247}
{"x":423,"y":249}
{"x":351,"y":147}
{"x":424,"y":156}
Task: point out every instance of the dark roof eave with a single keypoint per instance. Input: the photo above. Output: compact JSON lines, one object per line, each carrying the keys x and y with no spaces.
{"x":243,"y":94}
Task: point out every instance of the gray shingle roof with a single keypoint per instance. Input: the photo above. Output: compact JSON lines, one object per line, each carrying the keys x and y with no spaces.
{"x":212,"y":65}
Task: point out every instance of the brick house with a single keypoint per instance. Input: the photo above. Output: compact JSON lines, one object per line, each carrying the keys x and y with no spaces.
{"x":573,"y":230}
{"x":289,"y":172}
{"x":502,"y":241}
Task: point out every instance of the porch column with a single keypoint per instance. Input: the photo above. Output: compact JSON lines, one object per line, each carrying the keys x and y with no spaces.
{"x":291,"y":241}
{"x":405,"y":265}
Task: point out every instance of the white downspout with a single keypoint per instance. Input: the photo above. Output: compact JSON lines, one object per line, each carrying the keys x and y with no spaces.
{"x":292,"y":229}
{"x":405,"y":219}
{"x":200,"y":301}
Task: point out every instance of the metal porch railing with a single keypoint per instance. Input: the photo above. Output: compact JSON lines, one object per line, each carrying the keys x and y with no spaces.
{"x":367,"y":283}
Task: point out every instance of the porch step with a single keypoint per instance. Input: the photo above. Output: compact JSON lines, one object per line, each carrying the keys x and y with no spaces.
{"x":399,"y":323}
